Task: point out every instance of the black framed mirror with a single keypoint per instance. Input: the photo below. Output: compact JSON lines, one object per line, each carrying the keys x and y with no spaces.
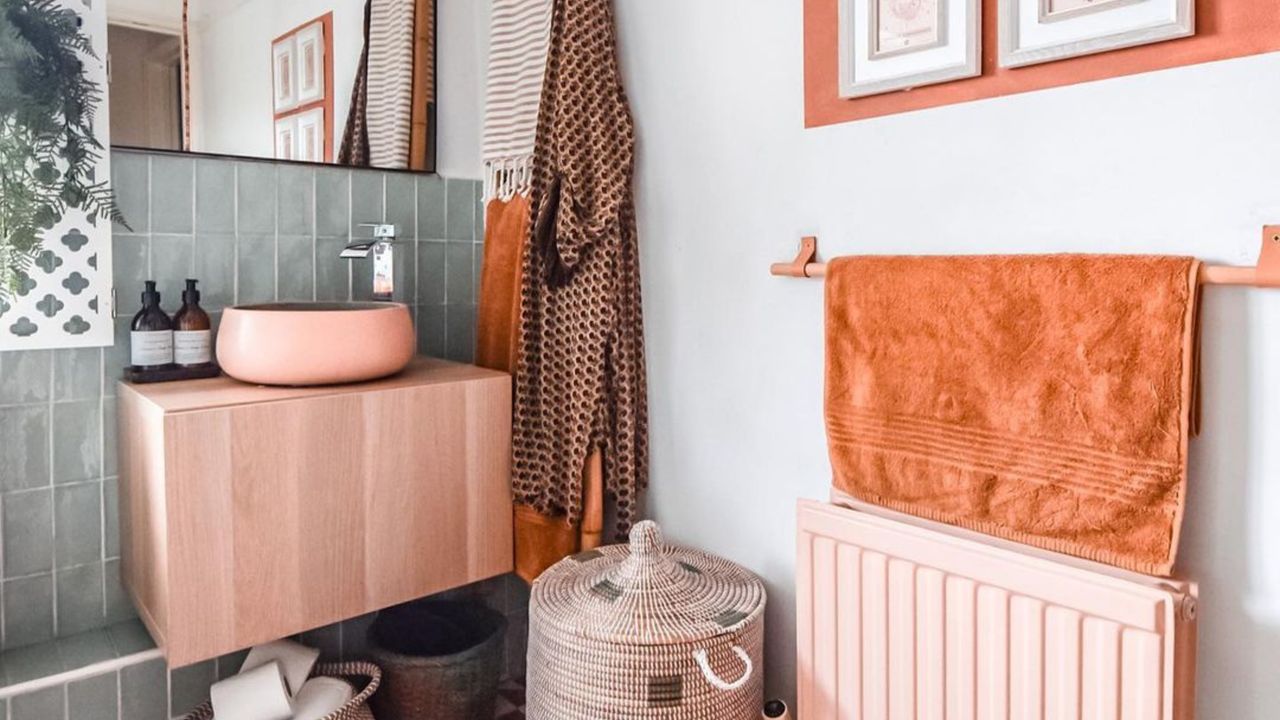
{"x":348,"y":82}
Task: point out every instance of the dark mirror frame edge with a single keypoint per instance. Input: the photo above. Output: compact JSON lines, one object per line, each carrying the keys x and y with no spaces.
{"x":275,"y":161}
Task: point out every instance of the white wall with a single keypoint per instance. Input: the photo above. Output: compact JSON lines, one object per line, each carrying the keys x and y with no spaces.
{"x":462,"y":52}
{"x":1181,"y":161}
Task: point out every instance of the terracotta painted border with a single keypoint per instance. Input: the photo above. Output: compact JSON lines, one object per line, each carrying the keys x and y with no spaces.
{"x":1224,"y":29}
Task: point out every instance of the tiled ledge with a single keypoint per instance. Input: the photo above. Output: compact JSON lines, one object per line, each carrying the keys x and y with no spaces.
{"x":60,"y":661}
{"x":116,"y":673}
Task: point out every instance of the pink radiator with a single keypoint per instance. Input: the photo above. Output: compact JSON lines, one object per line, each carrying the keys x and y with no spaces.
{"x":902,"y":620}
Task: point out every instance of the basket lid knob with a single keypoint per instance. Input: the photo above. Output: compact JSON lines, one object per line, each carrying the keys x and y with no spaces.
{"x":646,"y":538}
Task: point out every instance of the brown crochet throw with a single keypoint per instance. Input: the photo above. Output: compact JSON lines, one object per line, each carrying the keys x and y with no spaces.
{"x":580,"y":380}
{"x":354,"y":150}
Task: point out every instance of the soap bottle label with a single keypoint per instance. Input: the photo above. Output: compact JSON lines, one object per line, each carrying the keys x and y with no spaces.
{"x":148,"y":348}
{"x":192,"y":347}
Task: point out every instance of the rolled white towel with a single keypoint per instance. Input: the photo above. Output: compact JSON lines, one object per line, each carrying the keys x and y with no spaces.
{"x":296,"y":661}
{"x":321,"y":696}
{"x":257,"y":694}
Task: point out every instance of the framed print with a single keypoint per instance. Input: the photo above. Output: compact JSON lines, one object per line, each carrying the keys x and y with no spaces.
{"x":1051,"y":10}
{"x":1037,"y":31}
{"x":310,"y":61}
{"x":899,"y":26}
{"x":310,"y":136}
{"x":888,"y":45}
{"x":284,"y":74}
{"x":303,"y":65}
{"x":287,"y":138}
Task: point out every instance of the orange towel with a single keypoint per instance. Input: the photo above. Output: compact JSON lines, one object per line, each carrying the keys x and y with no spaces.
{"x":541,"y":541}
{"x":1042,"y":399}
{"x":544,"y":540}
{"x":506,"y":230}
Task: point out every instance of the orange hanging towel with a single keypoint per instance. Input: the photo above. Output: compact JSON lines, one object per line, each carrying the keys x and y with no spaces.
{"x":541,"y":540}
{"x":498,"y":312}
{"x":1042,"y":399}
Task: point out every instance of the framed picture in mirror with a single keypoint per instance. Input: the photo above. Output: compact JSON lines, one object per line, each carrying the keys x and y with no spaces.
{"x":286,"y":130}
{"x":313,"y":139}
{"x":303,"y":79}
{"x":314,"y":72}
{"x":283,"y":73}
{"x":193,"y":76}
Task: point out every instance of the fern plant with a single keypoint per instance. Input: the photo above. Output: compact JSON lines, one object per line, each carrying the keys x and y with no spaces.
{"x":48,"y":150}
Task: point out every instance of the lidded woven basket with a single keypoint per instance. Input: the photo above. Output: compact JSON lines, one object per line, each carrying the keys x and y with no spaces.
{"x":646,"y":631}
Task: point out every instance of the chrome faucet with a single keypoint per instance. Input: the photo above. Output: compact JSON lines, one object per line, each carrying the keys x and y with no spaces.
{"x":380,"y":247}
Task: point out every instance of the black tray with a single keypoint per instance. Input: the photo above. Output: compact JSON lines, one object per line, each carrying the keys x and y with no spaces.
{"x":171,"y":373}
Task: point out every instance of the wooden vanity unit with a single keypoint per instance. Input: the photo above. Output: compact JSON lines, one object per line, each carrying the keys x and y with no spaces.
{"x":251,"y":513}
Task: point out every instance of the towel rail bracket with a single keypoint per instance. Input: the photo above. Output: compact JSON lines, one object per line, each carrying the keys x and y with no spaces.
{"x":804,"y":260}
{"x":1265,"y":274}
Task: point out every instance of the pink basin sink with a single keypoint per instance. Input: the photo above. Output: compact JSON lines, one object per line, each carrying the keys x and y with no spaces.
{"x":314,"y":343}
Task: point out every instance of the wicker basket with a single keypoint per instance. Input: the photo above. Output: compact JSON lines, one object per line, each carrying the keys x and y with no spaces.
{"x":364,"y":673}
{"x":440,"y":661}
{"x":645,"y":632}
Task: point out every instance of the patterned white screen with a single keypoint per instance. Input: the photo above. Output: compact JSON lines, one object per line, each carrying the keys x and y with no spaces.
{"x":63,"y":298}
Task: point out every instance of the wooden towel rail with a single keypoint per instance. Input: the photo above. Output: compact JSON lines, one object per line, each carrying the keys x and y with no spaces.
{"x":1265,"y":274}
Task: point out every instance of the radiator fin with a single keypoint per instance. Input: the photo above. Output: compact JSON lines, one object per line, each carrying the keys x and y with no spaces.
{"x":887,"y":637}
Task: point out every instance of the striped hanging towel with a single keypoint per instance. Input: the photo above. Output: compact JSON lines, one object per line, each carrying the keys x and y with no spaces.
{"x":390,"y":82}
{"x":517,"y":60}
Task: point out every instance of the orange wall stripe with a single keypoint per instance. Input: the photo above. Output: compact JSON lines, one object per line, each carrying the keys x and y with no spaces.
{"x":1224,"y":29}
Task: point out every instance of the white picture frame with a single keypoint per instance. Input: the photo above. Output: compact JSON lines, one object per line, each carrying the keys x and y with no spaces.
{"x":309,"y":62}
{"x":1039,"y":31}
{"x":310,"y":136}
{"x":286,"y":142}
{"x":284,"y":74}
{"x":876,"y":57}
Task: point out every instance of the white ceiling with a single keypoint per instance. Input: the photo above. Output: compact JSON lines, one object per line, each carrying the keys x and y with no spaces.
{"x":166,"y":14}
{"x":153,"y":14}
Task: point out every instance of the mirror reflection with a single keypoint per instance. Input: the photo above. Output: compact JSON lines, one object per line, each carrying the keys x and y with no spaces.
{"x":350,"y":82}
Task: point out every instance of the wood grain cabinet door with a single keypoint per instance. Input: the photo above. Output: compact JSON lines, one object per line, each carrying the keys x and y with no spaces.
{"x":284,"y":516}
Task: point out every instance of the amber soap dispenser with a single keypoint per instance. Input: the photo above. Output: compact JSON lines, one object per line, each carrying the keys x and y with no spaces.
{"x":151,"y":336}
{"x":192,"y":332}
